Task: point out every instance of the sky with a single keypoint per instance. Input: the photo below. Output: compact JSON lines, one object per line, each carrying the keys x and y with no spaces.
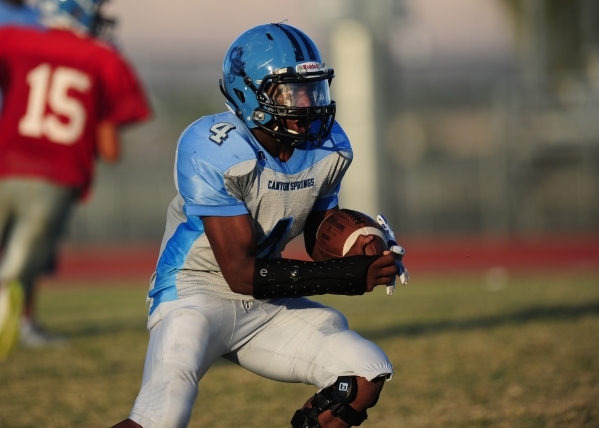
{"x":209,"y":26}
{"x":187,"y":39}
{"x":184,"y":41}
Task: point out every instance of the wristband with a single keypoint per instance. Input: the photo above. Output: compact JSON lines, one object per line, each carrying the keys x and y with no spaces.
{"x":276,"y":278}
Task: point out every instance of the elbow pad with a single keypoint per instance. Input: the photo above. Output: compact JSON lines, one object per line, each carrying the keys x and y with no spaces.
{"x":276,"y":278}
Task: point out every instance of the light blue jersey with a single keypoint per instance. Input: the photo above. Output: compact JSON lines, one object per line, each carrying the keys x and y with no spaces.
{"x":222,"y":170}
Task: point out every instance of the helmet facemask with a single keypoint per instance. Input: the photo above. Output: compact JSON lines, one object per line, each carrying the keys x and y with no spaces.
{"x":295,"y":108}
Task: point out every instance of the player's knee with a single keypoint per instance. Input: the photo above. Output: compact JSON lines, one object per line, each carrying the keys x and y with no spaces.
{"x":347,"y":399}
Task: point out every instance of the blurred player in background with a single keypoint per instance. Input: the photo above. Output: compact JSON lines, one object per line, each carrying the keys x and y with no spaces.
{"x":66,"y":95}
{"x":17,"y":12}
{"x":249,"y":181}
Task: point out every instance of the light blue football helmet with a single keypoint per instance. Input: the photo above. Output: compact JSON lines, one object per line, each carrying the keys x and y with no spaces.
{"x":273,"y":75}
{"x":80,"y":15}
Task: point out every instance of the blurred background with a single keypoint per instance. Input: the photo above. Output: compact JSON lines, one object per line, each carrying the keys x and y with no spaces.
{"x":474,"y":117}
{"x":475,"y":130}
{"x":474,"y":122}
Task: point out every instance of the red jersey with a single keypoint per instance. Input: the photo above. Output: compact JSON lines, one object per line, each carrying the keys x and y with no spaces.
{"x":57,"y":86}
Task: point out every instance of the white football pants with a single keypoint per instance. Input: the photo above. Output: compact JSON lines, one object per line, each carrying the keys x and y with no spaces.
{"x":288,"y":340}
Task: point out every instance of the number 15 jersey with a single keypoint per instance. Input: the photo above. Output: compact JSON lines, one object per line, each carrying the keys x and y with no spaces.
{"x":57,"y":87}
{"x":222,"y":170}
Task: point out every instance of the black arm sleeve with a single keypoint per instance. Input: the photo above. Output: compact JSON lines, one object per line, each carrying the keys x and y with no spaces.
{"x":275,"y":278}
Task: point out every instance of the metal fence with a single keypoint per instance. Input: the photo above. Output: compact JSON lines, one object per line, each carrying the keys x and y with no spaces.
{"x":480,"y":149}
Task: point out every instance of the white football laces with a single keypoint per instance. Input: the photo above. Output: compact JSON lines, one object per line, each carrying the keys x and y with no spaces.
{"x":399,"y":251}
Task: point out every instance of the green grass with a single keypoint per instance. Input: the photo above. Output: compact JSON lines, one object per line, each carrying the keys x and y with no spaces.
{"x":465,"y":355}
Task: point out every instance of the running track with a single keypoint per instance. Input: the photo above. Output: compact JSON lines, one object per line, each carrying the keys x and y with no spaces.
{"x":423,"y":255}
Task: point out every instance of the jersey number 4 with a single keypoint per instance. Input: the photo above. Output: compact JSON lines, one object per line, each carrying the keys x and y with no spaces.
{"x":219,"y":132}
{"x":52,"y":88}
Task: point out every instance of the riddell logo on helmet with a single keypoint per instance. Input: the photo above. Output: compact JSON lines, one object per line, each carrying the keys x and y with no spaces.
{"x":309,"y":66}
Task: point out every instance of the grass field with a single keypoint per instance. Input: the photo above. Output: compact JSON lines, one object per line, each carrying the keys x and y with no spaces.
{"x":468,"y":350}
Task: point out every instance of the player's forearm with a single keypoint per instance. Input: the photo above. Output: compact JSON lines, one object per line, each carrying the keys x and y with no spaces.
{"x":239,"y":275}
{"x":108,"y":142}
{"x":233,"y":243}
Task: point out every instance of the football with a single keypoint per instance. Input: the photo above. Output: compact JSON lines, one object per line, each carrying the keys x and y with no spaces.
{"x":339,"y":231}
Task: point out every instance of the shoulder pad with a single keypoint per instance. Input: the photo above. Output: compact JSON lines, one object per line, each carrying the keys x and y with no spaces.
{"x":220,"y":139}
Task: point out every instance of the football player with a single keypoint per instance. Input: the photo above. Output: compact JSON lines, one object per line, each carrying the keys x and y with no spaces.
{"x":66,"y":95}
{"x":250,"y":180}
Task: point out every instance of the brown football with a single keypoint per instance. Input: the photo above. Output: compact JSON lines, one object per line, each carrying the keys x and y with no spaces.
{"x":338,"y":232}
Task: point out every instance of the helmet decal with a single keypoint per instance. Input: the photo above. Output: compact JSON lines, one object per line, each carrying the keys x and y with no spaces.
{"x":311,"y":53}
{"x":237,"y":65}
{"x":299,"y":55}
